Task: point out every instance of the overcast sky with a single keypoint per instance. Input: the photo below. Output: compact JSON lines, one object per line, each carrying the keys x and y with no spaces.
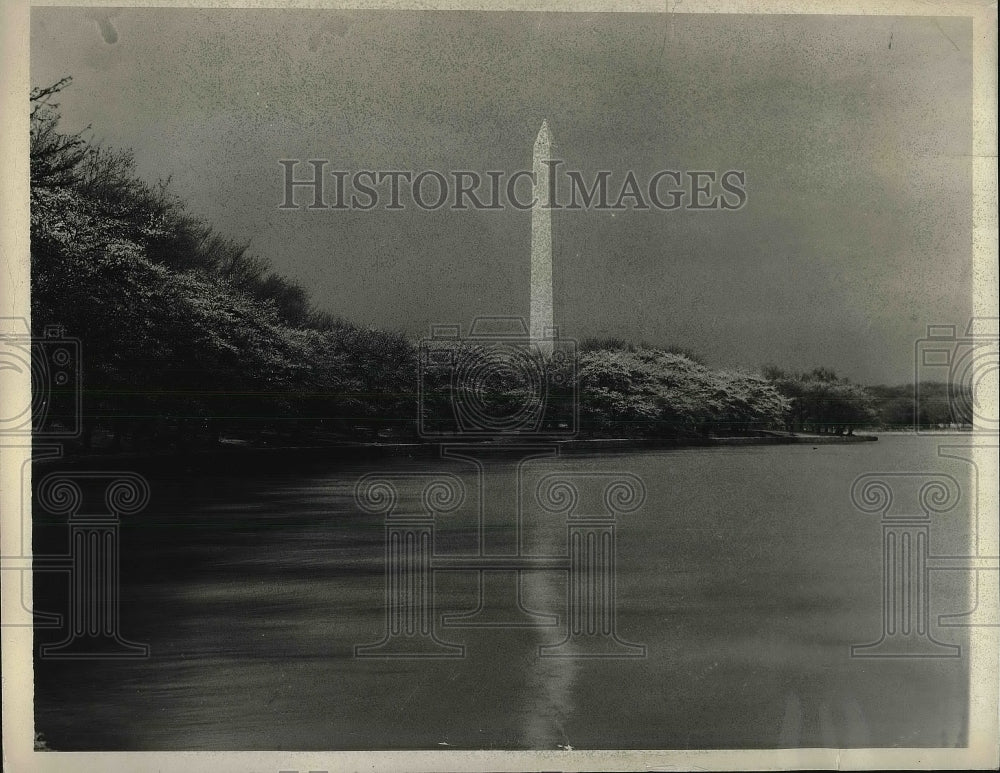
{"x":854,"y":132}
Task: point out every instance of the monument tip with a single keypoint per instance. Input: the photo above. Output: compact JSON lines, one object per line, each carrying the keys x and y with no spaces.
{"x":544,"y":135}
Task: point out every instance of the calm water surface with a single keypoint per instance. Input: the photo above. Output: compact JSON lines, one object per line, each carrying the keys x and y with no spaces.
{"x":747,"y":575}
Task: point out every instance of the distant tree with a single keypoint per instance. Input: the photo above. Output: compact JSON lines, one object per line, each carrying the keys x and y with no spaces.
{"x":820,"y":401}
{"x":659,"y":393}
{"x":928,"y":404}
{"x":772,"y":372}
{"x":823,"y":375}
{"x":291,"y":301}
{"x":613,"y":343}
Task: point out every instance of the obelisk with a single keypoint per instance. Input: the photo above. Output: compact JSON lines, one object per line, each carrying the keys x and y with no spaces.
{"x":541,"y":324}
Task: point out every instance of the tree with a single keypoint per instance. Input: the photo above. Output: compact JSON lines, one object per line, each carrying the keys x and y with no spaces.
{"x":658,"y":393}
{"x":820,"y":401}
{"x":184,"y":333}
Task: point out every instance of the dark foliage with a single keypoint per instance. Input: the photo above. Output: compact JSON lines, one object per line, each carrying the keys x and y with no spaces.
{"x":185,"y":335}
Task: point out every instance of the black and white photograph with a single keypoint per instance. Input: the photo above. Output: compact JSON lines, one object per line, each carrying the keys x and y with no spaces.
{"x":420,"y":386}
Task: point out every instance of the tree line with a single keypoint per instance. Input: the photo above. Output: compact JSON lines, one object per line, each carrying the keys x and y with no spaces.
{"x":189,"y":338}
{"x":186,"y":336}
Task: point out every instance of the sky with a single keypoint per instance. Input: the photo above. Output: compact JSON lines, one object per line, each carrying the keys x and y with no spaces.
{"x":854,"y":133}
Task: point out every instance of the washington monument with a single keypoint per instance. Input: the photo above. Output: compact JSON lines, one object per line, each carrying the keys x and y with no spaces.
{"x":541,"y":325}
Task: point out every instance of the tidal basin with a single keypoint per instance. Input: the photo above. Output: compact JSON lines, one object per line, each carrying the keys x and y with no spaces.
{"x":747,"y":574}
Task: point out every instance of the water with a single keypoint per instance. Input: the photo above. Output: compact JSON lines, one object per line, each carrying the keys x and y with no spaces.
{"x":747,"y":575}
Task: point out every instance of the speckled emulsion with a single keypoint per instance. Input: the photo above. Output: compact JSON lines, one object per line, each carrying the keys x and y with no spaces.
{"x":541,"y":244}
{"x":785,"y":208}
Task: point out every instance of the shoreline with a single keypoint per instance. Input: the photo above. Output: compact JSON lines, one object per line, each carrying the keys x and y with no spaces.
{"x":226,"y":455}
